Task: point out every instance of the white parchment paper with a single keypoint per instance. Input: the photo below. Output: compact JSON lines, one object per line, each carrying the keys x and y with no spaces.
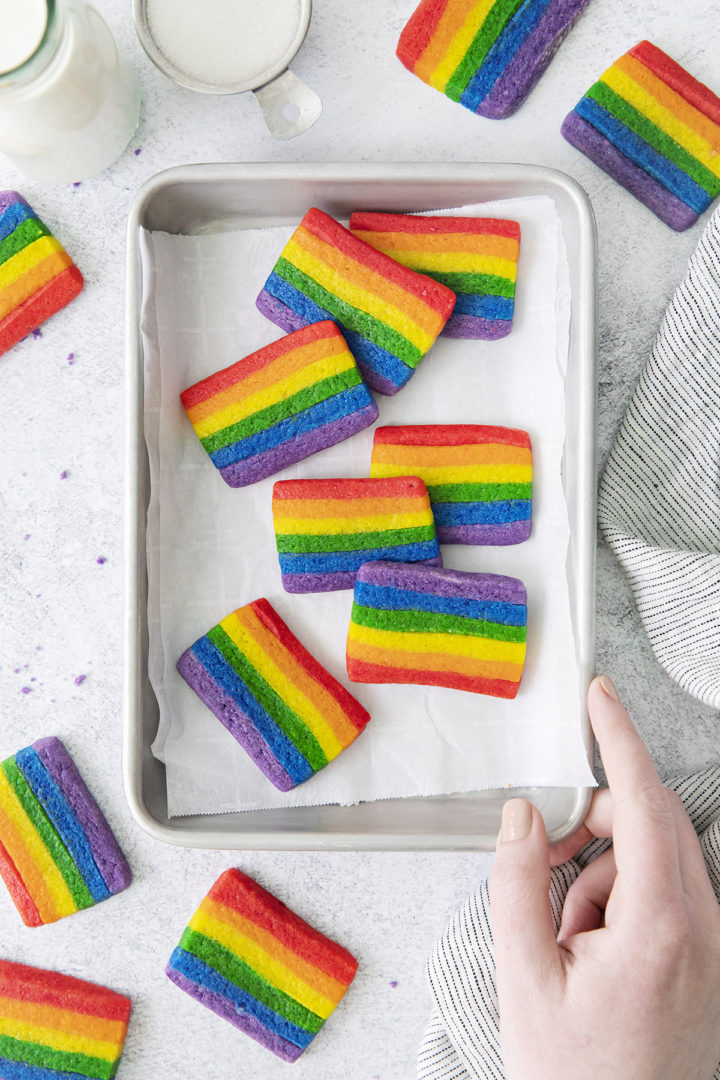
{"x":211,"y":548}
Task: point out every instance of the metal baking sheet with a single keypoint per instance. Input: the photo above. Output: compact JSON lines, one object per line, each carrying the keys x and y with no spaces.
{"x":196,"y":199}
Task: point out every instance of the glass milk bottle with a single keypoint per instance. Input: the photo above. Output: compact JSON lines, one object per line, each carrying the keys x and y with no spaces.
{"x":68,"y":105}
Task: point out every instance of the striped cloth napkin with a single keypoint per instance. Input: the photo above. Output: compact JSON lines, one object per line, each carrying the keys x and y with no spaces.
{"x":659,"y":508}
{"x":462,"y":1039}
{"x":659,"y":502}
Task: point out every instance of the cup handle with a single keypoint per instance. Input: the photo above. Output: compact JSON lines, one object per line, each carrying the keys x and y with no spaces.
{"x":275,"y":97}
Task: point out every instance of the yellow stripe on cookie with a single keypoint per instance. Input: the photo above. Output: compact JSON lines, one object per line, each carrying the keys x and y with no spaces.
{"x":242,"y":636}
{"x":328,"y":706}
{"x":271,"y":395}
{"x":512,"y":652}
{"x":455,"y":50}
{"x":269,"y":374}
{"x":261,"y":961}
{"x":403,"y":313}
{"x":58,"y":1040}
{"x":53,"y":880}
{"x":665,"y":118}
{"x":320,"y":525}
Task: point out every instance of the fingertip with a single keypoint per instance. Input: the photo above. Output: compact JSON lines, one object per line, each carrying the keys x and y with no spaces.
{"x":602,"y":687}
{"x":517,"y":820}
{"x":605,"y":708}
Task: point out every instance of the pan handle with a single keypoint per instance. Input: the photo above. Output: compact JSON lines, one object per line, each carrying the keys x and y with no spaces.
{"x":289,"y":107}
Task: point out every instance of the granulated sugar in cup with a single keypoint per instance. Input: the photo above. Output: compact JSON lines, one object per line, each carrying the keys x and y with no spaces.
{"x":230,"y":46}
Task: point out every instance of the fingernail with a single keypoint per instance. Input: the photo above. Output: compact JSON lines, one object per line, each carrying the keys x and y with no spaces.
{"x":516,"y":820}
{"x":609,"y":687}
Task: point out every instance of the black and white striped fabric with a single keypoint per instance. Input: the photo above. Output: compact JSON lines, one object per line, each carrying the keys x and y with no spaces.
{"x":462,"y":1040}
{"x":659,"y":503}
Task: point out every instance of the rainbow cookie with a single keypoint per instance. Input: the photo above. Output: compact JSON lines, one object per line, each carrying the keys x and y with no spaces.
{"x":389,"y":315}
{"x":37,"y":276}
{"x":421,"y":624}
{"x":253,"y":961}
{"x":656,"y":130}
{"x":479,"y":478}
{"x":326,"y":529}
{"x":57,"y":1026}
{"x":282,"y":403}
{"x":475,"y":257}
{"x":57,"y":852}
{"x":282,"y":706}
{"x":486,"y":54}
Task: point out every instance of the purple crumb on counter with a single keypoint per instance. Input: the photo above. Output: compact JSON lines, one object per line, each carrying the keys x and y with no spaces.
{"x":27,"y":690}
{"x":71,"y":358}
{"x":393,"y":983}
{"x":80,"y":680}
{"x":27,"y":536}
{"x":101,"y":560}
{"x":64,"y":474}
{"x":37,"y":332}
{"x":138,"y":151}
{"x":77,"y":183}
{"x":38,"y":648}
{"x":16,"y":671}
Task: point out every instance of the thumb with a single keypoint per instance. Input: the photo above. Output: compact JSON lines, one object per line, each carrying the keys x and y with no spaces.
{"x":522,"y":924}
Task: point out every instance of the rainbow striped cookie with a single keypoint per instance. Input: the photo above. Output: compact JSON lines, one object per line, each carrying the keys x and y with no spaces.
{"x":421,"y":624}
{"x":326,"y":529}
{"x":56,"y":1026}
{"x":282,"y":403}
{"x":479,"y":478}
{"x":475,"y":257}
{"x":656,"y":130}
{"x":253,"y":961}
{"x":37,"y":276}
{"x":289,"y":714}
{"x":389,"y":315}
{"x":57,"y":852}
{"x":486,"y":54}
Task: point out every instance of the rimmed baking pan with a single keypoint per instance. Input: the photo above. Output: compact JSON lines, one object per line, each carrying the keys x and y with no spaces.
{"x":209,"y":198}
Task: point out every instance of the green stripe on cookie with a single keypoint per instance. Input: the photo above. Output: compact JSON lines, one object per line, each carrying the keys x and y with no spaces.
{"x":290,"y":406}
{"x":291,"y":725}
{"x":351,"y":317}
{"x":656,"y":138}
{"x":493,"y":25}
{"x":306,"y":543}
{"x":431,"y":622}
{"x":478,"y":492}
{"x":26,"y":233}
{"x":46,"y":831}
{"x":236,"y":971}
{"x":480,"y":284}
{"x":63,"y":1061}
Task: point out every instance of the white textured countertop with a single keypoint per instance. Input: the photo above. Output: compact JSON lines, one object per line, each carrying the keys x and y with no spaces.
{"x":61,"y":443}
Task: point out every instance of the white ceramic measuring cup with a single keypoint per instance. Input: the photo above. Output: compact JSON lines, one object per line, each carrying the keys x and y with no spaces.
{"x":230,"y":46}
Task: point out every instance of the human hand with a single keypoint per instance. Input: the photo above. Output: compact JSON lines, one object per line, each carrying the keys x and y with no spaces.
{"x":630,"y":988}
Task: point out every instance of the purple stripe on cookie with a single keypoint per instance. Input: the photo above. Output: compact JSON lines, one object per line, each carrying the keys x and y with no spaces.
{"x":337,"y":579}
{"x":9,"y":198}
{"x":234,"y":719}
{"x":279,"y":457}
{"x":657,"y":198}
{"x":106,"y":851}
{"x":244,"y":1021}
{"x":531,"y":59}
{"x":452,"y":583}
{"x":279,"y":313}
{"x":331,"y":582}
{"x":512,"y":532}
{"x":474,"y":326}
{"x":376,"y":381}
